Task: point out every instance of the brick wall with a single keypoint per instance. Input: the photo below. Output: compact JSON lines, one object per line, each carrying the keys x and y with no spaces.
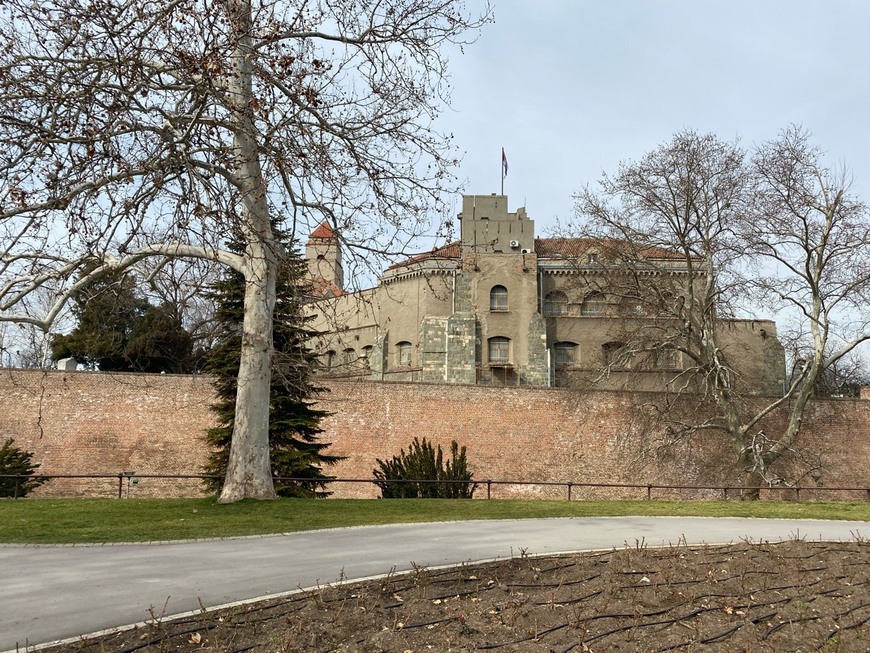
{"x":83,"y":422}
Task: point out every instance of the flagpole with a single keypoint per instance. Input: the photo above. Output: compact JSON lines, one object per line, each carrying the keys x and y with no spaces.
{"x":503,"y":169}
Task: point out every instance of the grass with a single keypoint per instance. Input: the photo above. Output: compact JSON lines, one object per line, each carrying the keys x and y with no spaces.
{"x":43,"y":521}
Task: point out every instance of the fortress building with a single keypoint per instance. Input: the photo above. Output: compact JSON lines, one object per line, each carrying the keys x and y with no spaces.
{"x":502,"y":307}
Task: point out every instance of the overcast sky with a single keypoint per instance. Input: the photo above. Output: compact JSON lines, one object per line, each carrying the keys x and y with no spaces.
{"x":572,"y":87}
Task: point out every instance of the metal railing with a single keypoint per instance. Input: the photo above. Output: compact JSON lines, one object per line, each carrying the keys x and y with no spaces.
{"x":126,"y":480}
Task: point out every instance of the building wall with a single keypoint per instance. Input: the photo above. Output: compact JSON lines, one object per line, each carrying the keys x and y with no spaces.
{"x":434,"y":301}
{"x":85,"y":422}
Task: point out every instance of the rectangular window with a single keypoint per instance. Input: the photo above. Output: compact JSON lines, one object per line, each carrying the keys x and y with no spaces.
{"x":499,"y":350}
{"x":666,"y":358}
{"x":404,"y":353}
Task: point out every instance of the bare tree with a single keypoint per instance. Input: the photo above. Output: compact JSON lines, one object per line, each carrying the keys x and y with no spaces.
{"x":29,"y":346}
{"x":184,"y":285}
{"x":842,"y":378}
{"x":138,"y":129}
{"x":814,"y":238}
{"x":700,"y":233}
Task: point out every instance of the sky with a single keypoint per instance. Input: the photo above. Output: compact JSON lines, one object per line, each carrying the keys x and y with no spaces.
{"x":569,"y":88}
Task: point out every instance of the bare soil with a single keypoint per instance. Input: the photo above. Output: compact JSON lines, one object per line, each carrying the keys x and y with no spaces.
{"x":784,"y":597}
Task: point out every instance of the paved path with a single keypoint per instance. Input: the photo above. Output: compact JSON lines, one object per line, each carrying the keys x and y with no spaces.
{"x":48,"y":593}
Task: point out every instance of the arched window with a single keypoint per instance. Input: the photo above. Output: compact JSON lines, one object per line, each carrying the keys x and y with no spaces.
{"x":498,"y":299}
{"x":403,"y":353}
{"x":329,"y":359}
{"x":556,"y":303}
{"x":593,"y":305}
{"x":499,"y":350}
{"x":612,"y":354}
{"x":565,"y":353}
{"x":366,"y":355}
{"x":631,"y":307}
{"x":348,"y":356}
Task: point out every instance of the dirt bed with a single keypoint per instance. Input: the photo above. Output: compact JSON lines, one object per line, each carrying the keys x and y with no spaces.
{"x":792,"y":596}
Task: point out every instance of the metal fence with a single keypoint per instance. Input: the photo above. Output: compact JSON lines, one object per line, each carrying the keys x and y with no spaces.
{"x":124,"y":484}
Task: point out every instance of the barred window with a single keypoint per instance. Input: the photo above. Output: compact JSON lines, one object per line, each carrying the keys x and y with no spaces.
{"x":666,"y":358}
{"x":565,"y":353}
{"x":498,"y":299}
{"x":593,"y":305}
{"x":499,"y":350}
{"x":556,"y":303}
{"x":403,"y":353}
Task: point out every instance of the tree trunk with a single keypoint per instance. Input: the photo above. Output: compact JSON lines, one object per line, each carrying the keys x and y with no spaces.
{"x":748,"y":466}
{"x":249,"y":473}
{"x":751,"y":484}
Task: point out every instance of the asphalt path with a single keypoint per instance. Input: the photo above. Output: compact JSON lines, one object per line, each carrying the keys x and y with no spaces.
{"x":52,"y":593}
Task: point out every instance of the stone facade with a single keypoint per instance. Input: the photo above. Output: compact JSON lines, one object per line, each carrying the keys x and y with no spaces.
{"x":99,"y":423}
{"x":502,"y":307}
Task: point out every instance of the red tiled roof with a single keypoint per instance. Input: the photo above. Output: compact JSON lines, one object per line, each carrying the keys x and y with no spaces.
{"x":574,"y":247}
{"x":322,"y":289}
{"x":451,"y":250}
{"x":548,"y":248}
{"x":567,"y":247}
{"x":324,"y":232}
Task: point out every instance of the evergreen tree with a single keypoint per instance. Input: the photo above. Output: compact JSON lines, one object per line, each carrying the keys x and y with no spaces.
{"x":119,"y":331}
{"x":293,"y":423}
{"x":423,"y":462}
{"x":16,"y":462}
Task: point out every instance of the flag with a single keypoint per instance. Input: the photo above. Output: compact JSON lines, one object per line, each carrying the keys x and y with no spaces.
{"x":504,"y":165}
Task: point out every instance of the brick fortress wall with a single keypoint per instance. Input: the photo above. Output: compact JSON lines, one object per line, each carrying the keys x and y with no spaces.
{"x":85,"y":422}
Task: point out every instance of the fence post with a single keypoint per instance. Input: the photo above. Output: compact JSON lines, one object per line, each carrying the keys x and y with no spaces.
{"x":569,"y":490}
{"x":120,"y":485}
{"x":17,"y":485}
{"x":649,"y":492}
{"x":724,"y":494}
{"x":488,"y":487}
{"x":797,"y":494}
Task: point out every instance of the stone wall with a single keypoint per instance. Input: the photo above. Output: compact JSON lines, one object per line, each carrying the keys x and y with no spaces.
{"x":85,"y":422}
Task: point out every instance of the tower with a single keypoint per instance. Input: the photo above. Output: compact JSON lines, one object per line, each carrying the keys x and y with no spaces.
{"x":323,"y":256}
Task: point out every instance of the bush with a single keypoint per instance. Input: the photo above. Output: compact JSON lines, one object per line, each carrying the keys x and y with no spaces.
{"x":16,"y":462}
{"x":425,"y":463}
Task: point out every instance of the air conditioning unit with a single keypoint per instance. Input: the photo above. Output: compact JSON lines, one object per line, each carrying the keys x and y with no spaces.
{"x":515,"y":244}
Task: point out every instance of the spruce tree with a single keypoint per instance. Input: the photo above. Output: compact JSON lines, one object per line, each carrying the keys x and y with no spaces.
{"x":16,"y":462}
{"x":293,"y":421}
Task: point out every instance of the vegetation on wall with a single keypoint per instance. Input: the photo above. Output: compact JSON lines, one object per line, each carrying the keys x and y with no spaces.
{"x":16,"y":462}
{"x":425,"y":464}
{"x":293,"y":421}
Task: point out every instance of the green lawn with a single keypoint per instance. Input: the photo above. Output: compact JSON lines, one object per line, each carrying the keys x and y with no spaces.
{"x":142,"y":520}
